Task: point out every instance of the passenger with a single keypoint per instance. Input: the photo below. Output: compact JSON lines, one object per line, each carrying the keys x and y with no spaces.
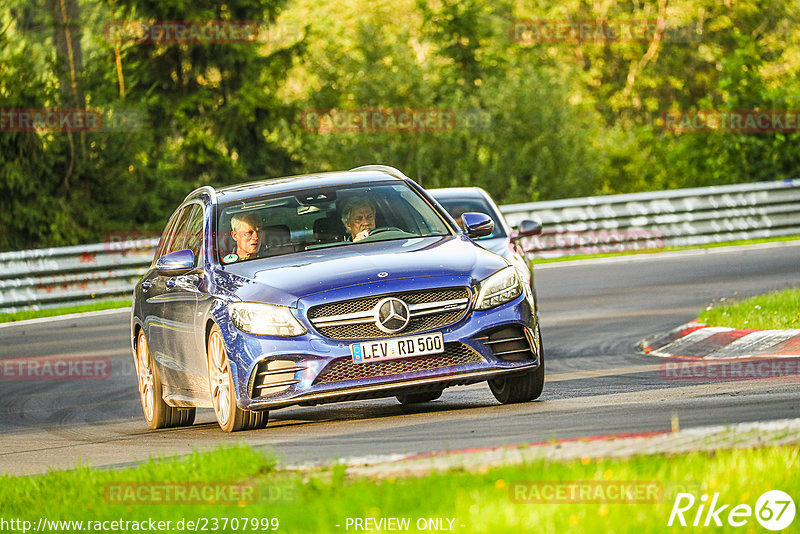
{"x":358,"y":216}
{"x":245,"y":229}
{"x":456,"y":212}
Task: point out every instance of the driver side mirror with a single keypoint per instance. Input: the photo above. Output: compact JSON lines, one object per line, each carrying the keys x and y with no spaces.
{"x":477,"y":224}
{"x":175,"y":263}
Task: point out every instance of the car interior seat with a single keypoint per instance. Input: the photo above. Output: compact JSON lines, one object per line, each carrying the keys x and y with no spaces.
{"x":329,"y":230}
{"x":277,"y":239}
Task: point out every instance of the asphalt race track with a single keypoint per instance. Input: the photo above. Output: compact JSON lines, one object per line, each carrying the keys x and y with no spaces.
{"x":592,"y":313}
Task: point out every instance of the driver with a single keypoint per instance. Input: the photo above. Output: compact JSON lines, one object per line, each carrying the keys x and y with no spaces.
{"x":244,"y":230}
{"x":358,"y":216}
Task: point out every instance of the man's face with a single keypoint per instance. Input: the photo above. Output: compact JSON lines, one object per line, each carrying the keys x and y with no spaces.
{"x":247,"y":241}
{"x":457,"y":213}
{"x":361,"y":218}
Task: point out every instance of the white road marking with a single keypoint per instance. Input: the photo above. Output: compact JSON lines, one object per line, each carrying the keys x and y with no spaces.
{"x":82,"y":315}
{"x":673,"y":254}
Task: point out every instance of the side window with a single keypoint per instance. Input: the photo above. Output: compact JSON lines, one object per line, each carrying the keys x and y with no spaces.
{"x":166,"y":236}
{"x":179,"y":233}
{"x":194,"y":234}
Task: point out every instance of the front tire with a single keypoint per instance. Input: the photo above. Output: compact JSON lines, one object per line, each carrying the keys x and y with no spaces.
{"x":157,"y":413}
{"x":221,"y":384}
{"x":520,"y":388}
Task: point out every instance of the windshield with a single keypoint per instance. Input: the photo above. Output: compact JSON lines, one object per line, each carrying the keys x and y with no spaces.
{"x":458,"y":206}
{"x":350,"y":215}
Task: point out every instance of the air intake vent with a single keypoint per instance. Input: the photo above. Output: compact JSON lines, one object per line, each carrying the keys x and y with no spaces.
{"x":273,"y":376}
{"x":510,"y":343}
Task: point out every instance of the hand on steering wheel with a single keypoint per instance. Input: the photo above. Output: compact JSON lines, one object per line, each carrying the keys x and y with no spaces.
{"x":382,"y":229}
{"x":379,"y":230}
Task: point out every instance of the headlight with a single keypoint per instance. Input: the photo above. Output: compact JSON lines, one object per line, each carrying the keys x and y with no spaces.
{"x":265,"y":319}
{"x":499,"y":288}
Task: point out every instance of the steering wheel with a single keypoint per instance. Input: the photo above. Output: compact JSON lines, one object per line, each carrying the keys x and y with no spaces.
{"x":382,"y":229}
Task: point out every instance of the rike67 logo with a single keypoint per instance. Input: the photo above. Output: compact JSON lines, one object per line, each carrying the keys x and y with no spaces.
{"x":774,"y":510}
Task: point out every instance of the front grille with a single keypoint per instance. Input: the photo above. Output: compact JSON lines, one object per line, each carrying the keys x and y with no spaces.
{"x":364,"y":327}
{"x":510,"y":343}
{"x":343,"y":369}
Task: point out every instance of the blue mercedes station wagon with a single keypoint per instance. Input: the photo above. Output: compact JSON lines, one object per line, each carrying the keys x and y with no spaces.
{"x":326,"y":288}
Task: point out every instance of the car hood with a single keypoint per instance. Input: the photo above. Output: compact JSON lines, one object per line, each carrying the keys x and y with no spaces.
{"x":285,"y":279}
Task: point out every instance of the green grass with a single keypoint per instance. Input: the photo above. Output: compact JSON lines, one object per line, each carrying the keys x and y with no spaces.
{"x":479,"y":500}
{"x":668,"y":249}
{"x":777,"y":310}
{"x":34,"y":314}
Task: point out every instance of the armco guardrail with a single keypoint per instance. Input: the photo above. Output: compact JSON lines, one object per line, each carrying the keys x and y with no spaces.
{"x":53,"y":277}
{"x":660,"y":219}
{"x":72,"y":275}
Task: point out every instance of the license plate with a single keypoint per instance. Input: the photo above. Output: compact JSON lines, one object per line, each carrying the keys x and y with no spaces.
{"x":393,"y":349}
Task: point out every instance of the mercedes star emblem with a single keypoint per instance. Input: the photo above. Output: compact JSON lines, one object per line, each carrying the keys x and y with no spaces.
{"x":391,"y":315}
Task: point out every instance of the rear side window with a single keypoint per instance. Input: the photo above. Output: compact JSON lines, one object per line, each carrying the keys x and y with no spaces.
{"x":166,"y":236}
{"x":194,"y":234}
{"x":181,"y":230}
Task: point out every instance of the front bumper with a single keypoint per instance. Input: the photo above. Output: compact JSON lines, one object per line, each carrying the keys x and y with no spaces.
{"x":312,"y":369}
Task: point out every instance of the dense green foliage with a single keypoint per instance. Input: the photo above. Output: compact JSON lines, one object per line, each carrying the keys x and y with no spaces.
{"x":534,"y":120}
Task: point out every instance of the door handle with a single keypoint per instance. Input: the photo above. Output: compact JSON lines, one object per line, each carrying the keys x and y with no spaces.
{"x":170,"y":283}
{"x":147,"y":284}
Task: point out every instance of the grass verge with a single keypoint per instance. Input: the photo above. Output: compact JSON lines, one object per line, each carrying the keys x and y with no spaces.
{"x":777,"y":310}
{"x":52,"y":312}
{"x":484,"y":501}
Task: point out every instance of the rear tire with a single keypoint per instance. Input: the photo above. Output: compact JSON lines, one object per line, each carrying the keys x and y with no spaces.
{"x":416,"y":398}
{"x":230,"y":417}
{"x":520,"y":388}
{"x":157,"y":413}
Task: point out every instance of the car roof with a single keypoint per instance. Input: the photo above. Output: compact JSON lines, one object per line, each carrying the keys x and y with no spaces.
{"x":458,"y":192}
{"x":290,"y":184}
